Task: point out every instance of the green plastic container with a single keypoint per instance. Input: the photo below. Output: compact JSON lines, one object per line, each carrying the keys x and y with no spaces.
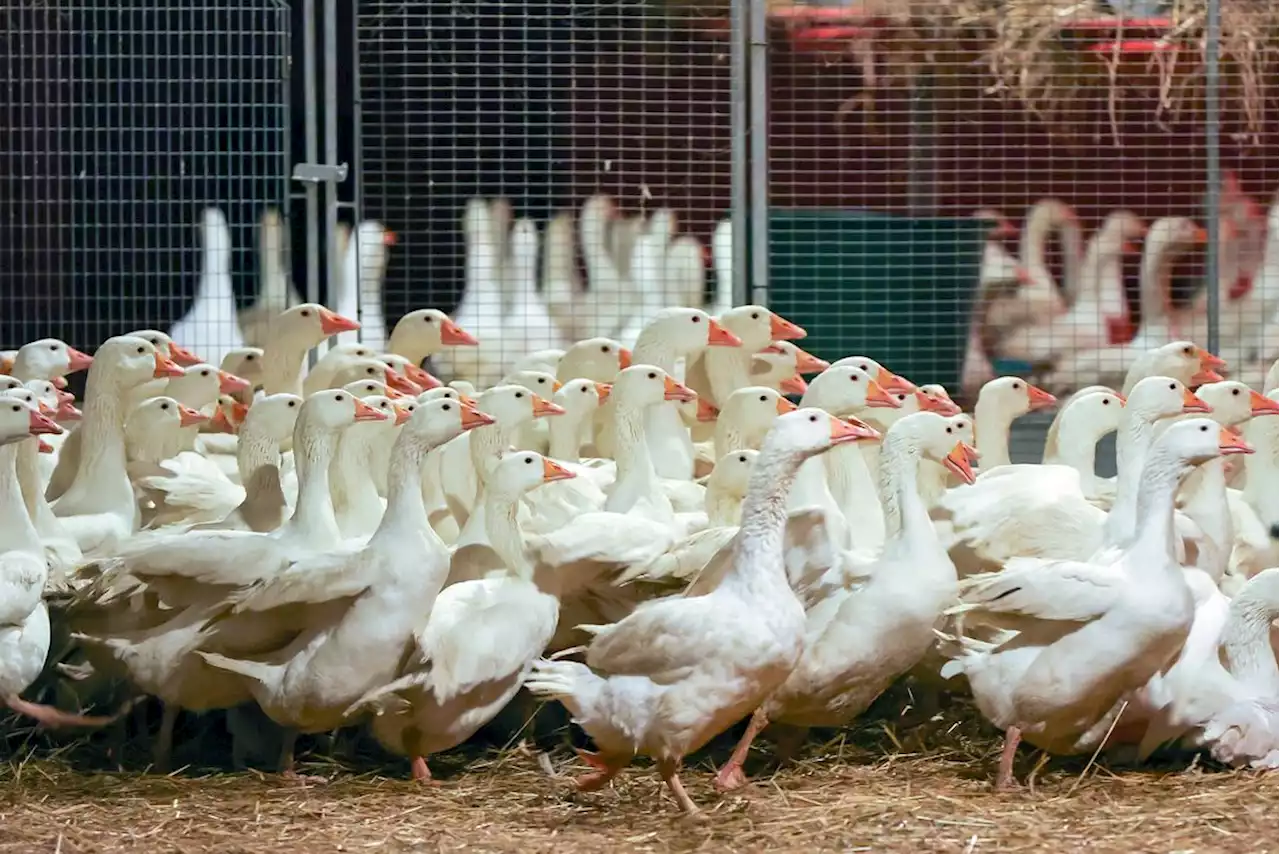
{"x":897,"y":289}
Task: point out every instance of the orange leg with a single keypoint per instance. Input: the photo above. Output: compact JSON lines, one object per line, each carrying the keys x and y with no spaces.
{"x":421,"y":772}
{"x":731,"y":775}
{"x":669,"y":769}
{"x":1004,"y":776}
{"x":606,"y":768}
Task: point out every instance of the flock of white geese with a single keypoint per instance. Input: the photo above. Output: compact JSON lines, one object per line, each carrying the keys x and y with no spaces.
{"x":656,"y":537}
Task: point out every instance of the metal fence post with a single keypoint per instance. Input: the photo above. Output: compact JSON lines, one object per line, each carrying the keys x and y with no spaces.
{"x":1213,"y":172}
{"x":758,"y":78}
{"x":739,"y":133}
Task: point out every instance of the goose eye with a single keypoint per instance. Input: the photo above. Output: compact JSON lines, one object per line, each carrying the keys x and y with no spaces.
{"x":813,"y":419}
{"x":742,"y":459}
{"x":755,"y":315}
{"x":528,"y":461}
{"x":1017,"y":386}
{"x":204,"y":373}
{"x":519,"y":395}
{"x":1106,"y":401}
{"x":250,"y":357}
{"x":17,"y":409}
{"x":1204,"y":429}
{"x":142,"y":349}
{"x":764,"y":398}
{"x":447,"y":408}
{"x":604,"y":348}
{"x":370,"y":370}
{"x":1187,"y":351}
{"x":1173,"y":386}
{"x":1235,"y":392}
{"x":370,"y":387}
{"x":165,"y":407}
{"x":542,"y":380}
{"x":338,"y":397}
{"x":853,"y":378}
{"x":652,"y":375}
{"x":427,"y":319}
{"x":696,"y":319}
{"x":583,"y":389}
{"x":948,"y":430}
{"x":306,"y":314}
{"x":53,"y":347}
{"x":292,"y":403}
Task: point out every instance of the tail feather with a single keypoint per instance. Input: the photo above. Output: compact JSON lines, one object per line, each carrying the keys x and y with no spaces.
{"x":560,"y":680}
{"x":259,"y":671}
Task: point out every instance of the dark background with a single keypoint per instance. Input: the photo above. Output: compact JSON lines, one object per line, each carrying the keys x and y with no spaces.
{"x":543,"y":102}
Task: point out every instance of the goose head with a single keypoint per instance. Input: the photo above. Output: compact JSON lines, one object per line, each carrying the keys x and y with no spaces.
{"x":368,"y":388}
{"x":580,"y":397}
{"x":166,"y":345}
{"x":845,"y":389}
{"x":61,"y":402}
{"x":642,"y":386}
{"x":7,"y":382}
{"x":303,"y":326}
{"x":342,"y":352}
{"x":243,"y":362}
{"x":513,"y":405}
{"x":595,"y":359}
{"x":31,"y":398}
{"x":406,"y":368}
{"x":538,"y":382}
{"x":1002,"y":228}
{"x":429,"y":330}
{"x":756,"y":326}
{"x":1120,"y":233}
{"x":909,"y":403}
{"x":887,"y":379}
{"x":127,"y":361}
{"x":19,"y":419}
{"x":781,"y":365}
{"x":200,"y":385}
{"x":464,"y":388}
{"x":392,"y":415}
{"x":436,"y":421}
{"x":732,"y":474}
{"x":1155,"y":398}
{"x":336,"y":409}
{"x":808,"y":431}
{"x":1195,"y":441}
{"x":273,"y":416}
{"x":937,"y":438}
{"x":1093,"y":414}
{"x":522,"y":471}
{"x":374,"y":241}
{"x":445,"y":392}
{"x":1185,"y":361}
{"x":353,"y":369}
{"x":940,"y":400}
{"x":158,"y":416}
{"x":228,"y":415}
{"x":1234,"y":403}
{"x":752,"y":409}
{"x":48,"y":358}
{"x":686,"y":331}
{"x":1013,"y":397}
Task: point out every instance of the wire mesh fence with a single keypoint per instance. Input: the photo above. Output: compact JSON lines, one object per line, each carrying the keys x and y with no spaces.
{"x":953,"y":196}
{"x":121,"y":122}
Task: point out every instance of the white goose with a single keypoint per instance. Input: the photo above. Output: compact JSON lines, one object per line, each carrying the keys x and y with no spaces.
{"x":210,"y":327}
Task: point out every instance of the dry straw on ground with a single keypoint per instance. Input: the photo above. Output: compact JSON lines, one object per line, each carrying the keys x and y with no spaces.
{"x":926,"y":789}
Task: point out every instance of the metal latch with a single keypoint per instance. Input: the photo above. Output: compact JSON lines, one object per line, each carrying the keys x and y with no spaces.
{"x":316,"y":173}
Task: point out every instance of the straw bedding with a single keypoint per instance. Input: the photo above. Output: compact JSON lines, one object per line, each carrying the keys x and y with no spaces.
{"x":874,"y":788}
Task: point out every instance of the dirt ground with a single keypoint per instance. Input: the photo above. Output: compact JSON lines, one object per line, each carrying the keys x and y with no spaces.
{"x":868,"y":791}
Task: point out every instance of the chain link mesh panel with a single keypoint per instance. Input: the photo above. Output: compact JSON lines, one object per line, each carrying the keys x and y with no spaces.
{"x":122,"y":121}
{"x":536,"y":108}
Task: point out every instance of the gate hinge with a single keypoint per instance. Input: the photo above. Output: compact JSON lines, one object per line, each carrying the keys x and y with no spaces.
{"x":316,"y":173}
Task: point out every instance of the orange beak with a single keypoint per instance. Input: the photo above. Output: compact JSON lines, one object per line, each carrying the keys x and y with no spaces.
{"x":466,"y":401}
{"x":188,"y":417}
{"x":331,"y":323}
{"x":1200,"y":237}
{"x":794,"y":384}
{"x":403,"y":414}
{"x":79,"y":361}
{"x":1210,"y":362}
{"x":43,"y":447}
{"x":66,"y":397}
{"x":1039,"y":398}
{"x":166,"y":368}
{"x":807,"y":363}
{"x":552,"y":470}
{"x":396,"y":395}
{"x":781,"y":329}
{"x":676,"y":390}
{"x":230,"y":383}
{"x":1191,"y":403}
{"x":221,"y":423}
{"x":773,"y":349}
{"x":961,"y":461}
{"x":45,"y":410}
{"x":58,"y":382}
{"x":182,"y":355}
{"x":6,"y":365}
{"x":624,"y":358}
{"x":453,"y":335}
{"x":1262,"y":405}
{"x":1003,"y":231}
{"x":1023,"y":276}
{"x":845,"y":430}
{"x":784,"y":406}
{"x":67,"y":411}
{"x":556,"y":385}
{"x":707,"y":412}
{"x":38,"y":425}
{"x":542,"y":406}
{"x":1231,"y":442}
{"x":401,"y":383}
{"x":1131,"y":247}
{"x":890,"y":381}
{"x":718,"y":336}
{"x":389,"y":238}
{"x":473,"y":418}
{"x":878,"y":398}
{"x":935,"y":403}
{"x":365,"y":412}
{"x":421,"y":378}
{"x":603,"y":391}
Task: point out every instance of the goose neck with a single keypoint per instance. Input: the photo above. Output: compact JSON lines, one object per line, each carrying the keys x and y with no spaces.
{"x":1077,"y":448}
{"x":102,"y":454}
{"x":313,"y":451}
{"x":905,"y":513}
{"x":406,"y":512}
{"x":282,"y":367}
{"x":654,"y":349}
{"x":1156,"y":492}
{"x":758,"y":550}
{"x":1246,"y":638}
{"x":488,"y":444}
{"x":350,"y":483}
{"x":501,"y":522}
{"x":991,"y":425}
{"x":631,"y":451}
{"x":728,"y":369}
{"x":17,"y":533}
{"x":255,"y":449}
{"x":567,"y":433}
